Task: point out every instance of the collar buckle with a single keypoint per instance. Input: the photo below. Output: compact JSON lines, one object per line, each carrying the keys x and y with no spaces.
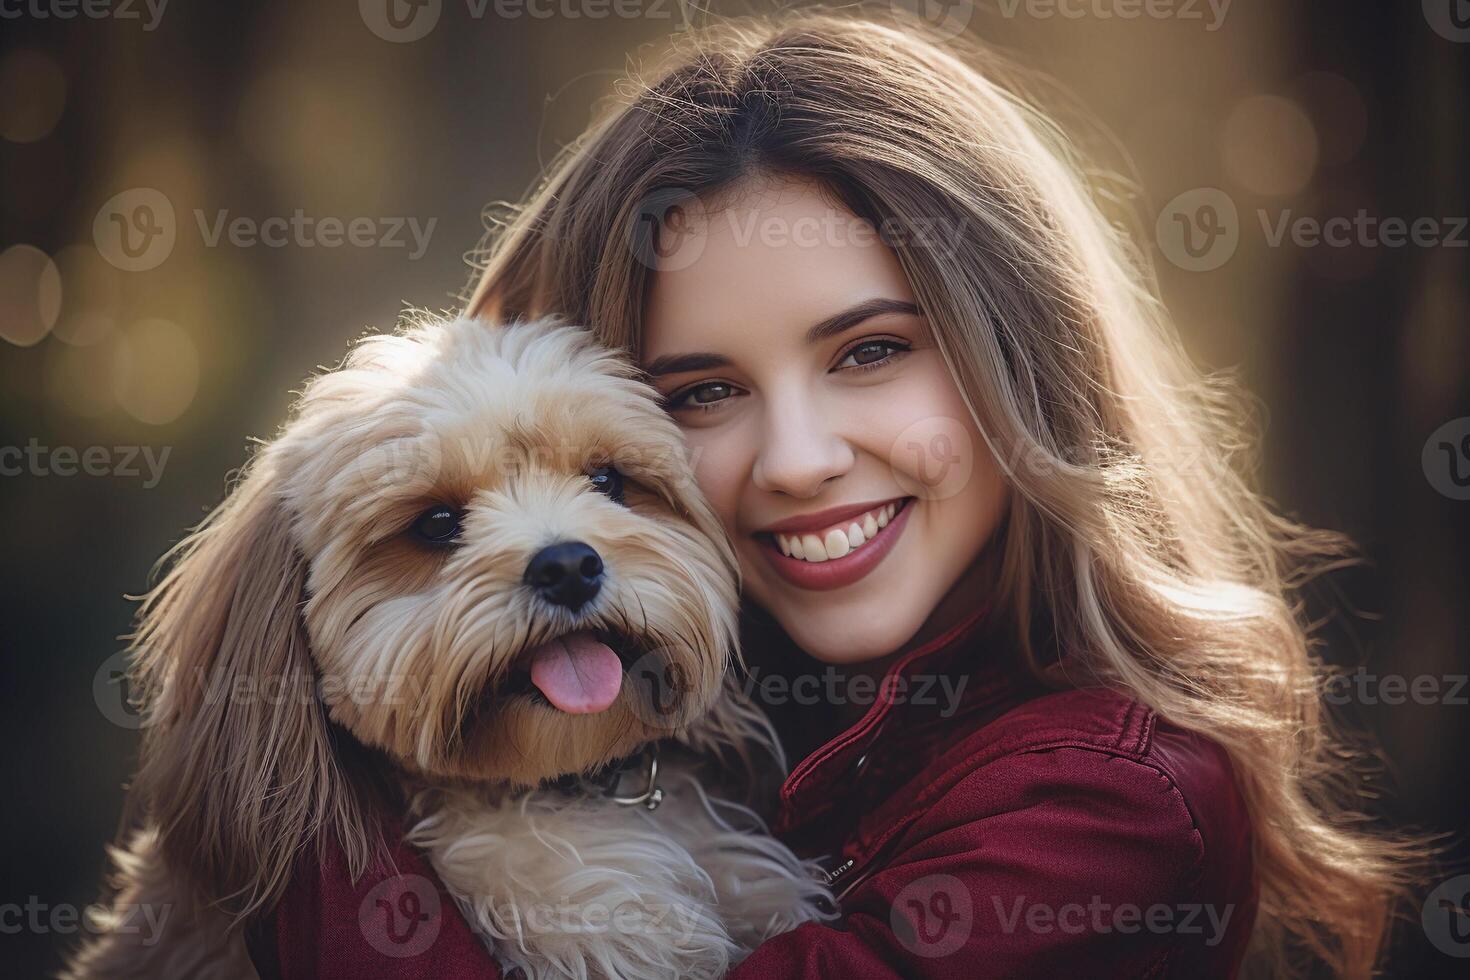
{"x":652,"y":794}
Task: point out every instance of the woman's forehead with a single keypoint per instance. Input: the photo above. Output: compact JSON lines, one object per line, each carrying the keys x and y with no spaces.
{"x":760,"y":268}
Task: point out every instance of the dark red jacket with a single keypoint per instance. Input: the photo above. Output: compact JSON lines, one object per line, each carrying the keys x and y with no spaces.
{"x":1005,"y":832}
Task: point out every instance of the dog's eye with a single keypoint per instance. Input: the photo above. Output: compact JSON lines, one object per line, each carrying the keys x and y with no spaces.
{"x":438,"y":524}
{"x":608,"y":480}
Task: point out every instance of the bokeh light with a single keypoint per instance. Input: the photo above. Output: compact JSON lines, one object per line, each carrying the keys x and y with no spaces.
{"x":1270,"y":145}
{"x":92,"y":291}
{"x":155,"y":370}
{"x":1339,"y":114}
{"x":32,"y":96}
{"x":30,"y":295}
{"x":79,"y":379}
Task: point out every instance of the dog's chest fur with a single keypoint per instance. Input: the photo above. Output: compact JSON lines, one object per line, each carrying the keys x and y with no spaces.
{"x":581,"y":886}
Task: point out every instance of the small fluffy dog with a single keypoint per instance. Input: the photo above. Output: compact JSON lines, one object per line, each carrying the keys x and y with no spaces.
{"x":473,"y":576}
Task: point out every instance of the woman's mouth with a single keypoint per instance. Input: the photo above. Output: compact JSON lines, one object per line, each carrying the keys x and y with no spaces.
{"x":840,"y":553}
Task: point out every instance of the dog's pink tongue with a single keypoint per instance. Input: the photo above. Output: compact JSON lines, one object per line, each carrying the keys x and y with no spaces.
{"x":576,"y":673}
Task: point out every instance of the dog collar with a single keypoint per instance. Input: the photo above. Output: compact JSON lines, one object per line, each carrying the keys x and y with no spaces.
{"x":651,"y":795}
{"x":608,"y":781}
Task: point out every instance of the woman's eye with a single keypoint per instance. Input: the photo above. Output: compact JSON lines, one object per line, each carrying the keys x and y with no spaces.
{"x":438,"y":524}
{"x":606,"y":479}
{"x":704,"y":395}
{"x":871,"y":352}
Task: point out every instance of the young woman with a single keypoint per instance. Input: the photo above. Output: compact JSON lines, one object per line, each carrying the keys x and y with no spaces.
{"x":1031,"y":638}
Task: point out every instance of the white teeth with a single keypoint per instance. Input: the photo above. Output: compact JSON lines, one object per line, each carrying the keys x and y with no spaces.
{"x":837,"y":541}
{"x":812,"y":548}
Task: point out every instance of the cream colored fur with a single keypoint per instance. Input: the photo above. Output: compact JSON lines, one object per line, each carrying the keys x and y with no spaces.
{"x":306,"y":657}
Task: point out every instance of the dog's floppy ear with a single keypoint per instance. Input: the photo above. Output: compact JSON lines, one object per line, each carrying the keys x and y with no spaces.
{"x":239,"y":769}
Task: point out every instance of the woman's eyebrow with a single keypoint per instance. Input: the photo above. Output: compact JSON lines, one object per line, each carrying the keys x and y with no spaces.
{"x":866,"y":310}
{"x":679,"y":363}
{"x":830,"y":327}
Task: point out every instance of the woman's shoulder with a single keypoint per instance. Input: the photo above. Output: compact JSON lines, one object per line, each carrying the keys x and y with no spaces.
{"x":1111,"y":738}
{"x":1078,"y":831}
{"x":1103,"y":766}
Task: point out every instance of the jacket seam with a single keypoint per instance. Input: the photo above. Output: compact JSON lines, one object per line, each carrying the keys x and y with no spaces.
{"x":926,"y":801}
{"x":1109,"y":741}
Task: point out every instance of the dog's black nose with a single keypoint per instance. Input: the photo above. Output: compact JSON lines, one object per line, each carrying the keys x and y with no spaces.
{"x":567,"y":573}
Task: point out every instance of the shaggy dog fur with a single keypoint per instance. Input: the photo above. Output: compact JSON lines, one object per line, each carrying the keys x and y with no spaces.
{"x":313,"y":653}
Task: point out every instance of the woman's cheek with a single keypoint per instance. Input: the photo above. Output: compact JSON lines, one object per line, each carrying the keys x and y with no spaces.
{"x":719,"y":470}
{"x":921,"y":429}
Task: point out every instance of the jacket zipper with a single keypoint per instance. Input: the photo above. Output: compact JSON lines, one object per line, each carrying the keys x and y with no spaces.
{"x":837,"y":872}
{"x":870,"y":866}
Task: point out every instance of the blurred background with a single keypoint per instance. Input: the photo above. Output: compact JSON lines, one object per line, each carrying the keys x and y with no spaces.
{"x":201,"y":203}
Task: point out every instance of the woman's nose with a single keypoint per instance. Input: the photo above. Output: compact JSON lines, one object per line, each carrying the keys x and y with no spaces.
{"x":800,"y":452}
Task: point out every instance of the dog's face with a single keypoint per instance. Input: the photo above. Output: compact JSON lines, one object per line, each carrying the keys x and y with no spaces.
{"x":509,"y":572}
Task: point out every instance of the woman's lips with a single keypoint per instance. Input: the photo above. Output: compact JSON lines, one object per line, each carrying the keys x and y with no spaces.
{"x":834,"y":573}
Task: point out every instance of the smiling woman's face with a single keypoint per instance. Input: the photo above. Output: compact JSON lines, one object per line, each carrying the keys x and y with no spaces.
{"x":824,"y":426}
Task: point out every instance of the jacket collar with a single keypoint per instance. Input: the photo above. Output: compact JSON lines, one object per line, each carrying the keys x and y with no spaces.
{"x":919,"y":699}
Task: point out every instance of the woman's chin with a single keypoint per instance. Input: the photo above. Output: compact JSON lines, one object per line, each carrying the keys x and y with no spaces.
{"x":844,"y":640}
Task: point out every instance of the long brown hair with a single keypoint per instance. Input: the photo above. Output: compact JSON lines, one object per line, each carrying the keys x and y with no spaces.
{"x":1135,"y":543}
